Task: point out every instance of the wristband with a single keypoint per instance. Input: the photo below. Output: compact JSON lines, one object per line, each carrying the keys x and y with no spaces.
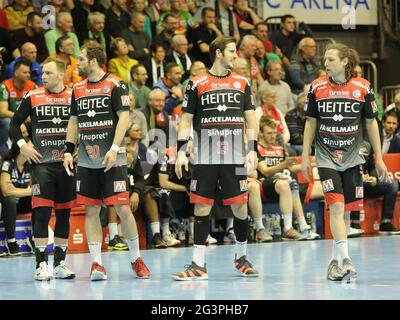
{"x":21,"y":142}
{"x":114,"y":148}
{"x":180,"y":144}
{"x":69,"y":147}
{"x":252,"y":145}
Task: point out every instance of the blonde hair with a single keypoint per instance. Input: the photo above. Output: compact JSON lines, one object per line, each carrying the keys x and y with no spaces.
{"x":351,"y":55}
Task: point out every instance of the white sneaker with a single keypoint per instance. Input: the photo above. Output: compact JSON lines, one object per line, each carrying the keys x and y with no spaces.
{"x":230,"y":237}
{"x":62,"y":272}
{"x":170,"y":240}
{"x":353,"y":232}
{"x":309,"y":234}
{"x":42,"y":273}
{"x":210,"y":240}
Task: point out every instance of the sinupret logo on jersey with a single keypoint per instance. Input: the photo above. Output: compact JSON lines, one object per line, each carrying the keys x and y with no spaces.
{"x":120,"y":186}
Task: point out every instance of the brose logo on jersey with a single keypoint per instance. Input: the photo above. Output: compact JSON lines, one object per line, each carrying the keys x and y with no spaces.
{"x":120,"y":186}
{"x":125,"y":100}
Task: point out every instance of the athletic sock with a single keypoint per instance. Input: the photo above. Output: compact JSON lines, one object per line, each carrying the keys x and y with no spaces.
{"x":240,"y":249}
{"x":343,"y":249}
{"x":165,"y":228}
{"x":259,"y":224}
{"x":287,"y":222}
{"x":302,"y":223}
{"x":133,"y":245}
{"x":95,"y":251}
{"x":199,"y":254}
{"x":113,"y":229}
{"x":155,"y":227}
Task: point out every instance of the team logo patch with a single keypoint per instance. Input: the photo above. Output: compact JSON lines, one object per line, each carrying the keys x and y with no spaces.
{"x":243,"y":185}
{"x":193,"y":185}
{"x":120,"y":186}
{"x":78,"y":185}
{"x":13,"y":94}
{"x":237,"y":85}
{"x":126,"y":101}
{"x":356,"y":94}
{"x":6,"y":166}
{"x":359,"y":192}
{"x":106,"y":89}
{"x":185,"y":101}
{"x":36,"y":189}
{"x":327,"y":185}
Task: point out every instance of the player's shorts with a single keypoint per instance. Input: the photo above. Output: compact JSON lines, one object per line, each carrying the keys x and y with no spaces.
{"x":346,"y":186}
{"x":231,"y":178}
{"x":95,"y":187}
{"x":269,"y":194}
{"x":52,"y":186}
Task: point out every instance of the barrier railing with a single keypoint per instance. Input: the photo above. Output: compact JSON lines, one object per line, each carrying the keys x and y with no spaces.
{"x":370,"y":72}
{"x":388,"y":94}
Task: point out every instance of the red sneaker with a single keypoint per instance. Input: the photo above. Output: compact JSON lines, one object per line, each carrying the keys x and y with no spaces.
{"x":140,"y":269}
{"x":97,"y":272}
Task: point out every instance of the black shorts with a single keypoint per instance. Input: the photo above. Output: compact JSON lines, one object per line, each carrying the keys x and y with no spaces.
{"x":95,"y":187}
{"x":230,"y":178}
{"x":268,"y":192}
{"x":52,"y":186}
{"x":346,"y":186}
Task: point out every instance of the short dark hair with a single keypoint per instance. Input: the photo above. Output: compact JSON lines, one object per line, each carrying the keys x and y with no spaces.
{"x":170,"y":66}
{"x":60,"y":42}
{"x":135,"y":68}
{"x":262,"y":23}
{"x":204,"y":11}
{"x":154,"y":46}
{"x":32,"y":16}
{"x":266,"y":121}
{"x":95,"y":51}
{"x":22,"y":62}
{"x":390,"y":113}
{"x":285,"y":17}
{"x":220,"y":43}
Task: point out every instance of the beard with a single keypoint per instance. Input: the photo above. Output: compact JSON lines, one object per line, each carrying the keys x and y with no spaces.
{"x":83,"y":73}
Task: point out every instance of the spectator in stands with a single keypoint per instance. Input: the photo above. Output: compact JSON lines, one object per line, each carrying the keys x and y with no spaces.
{"x":10,"y":51}
{"x":29,"y":53}
{"x":33,"y":33}
{"x":196,"y":68}
{"x":225,"y":18}
{"x":395,"y":106}
{"x":240,"y":67}
{"x":137,"y":117}
{"x":138,"y":86}
{"x":203,"y":35}
{"x":268,"y":98}
{"x":64,"y":28}
{"x":170,"y":25}
{"x":121,"y":65}
{"x":247,"y":50}
{"x":139,"y":6}
{"x":171,"y":86}
{"x":96,"y":22}
{"x":117,"y":18}
{"x":138,"y":41}
{"x":16,"y":193}
{"x":296,"y":120}
{"x":179,"y":55}
{"x":11,"y":92}
{"x":261,"y":32}
{"x":390,"y":141}
{"x":274,"y":80}
{"x":287,"y":37}
{"x":80,"y":15}
{"x":16,"y":13}
{"x":304,"y":67}
{"x":155,"y":64}
{"x":374,"y":187}
{"x":64,"y":52}
{"x":275,"y":171}
{"x":154,"y":112}
{"x":185,"y":21}
{"x":245,"y":17}
{"x":263,"y":58}
{"x":61,"y":5}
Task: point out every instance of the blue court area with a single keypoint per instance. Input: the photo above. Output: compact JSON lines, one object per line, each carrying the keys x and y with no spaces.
{"x":288,"y":270}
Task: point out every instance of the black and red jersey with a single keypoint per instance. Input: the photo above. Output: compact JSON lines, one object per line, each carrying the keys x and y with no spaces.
{"x":96,"y":105}
{"x":340,"y":110}
{"x":49,"y":114}
{"x":270,"y":155}
{"x":218,"y":105}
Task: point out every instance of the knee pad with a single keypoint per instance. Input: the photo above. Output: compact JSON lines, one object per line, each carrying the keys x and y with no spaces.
{"x":61,"y":229}
{"x":42,"y":218}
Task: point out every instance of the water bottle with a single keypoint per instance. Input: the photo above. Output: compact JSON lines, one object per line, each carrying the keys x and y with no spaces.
{"x":308,"y":217}
{"x":313,"y":222}
{"x":267,"y":221}
{"x":276,"y":227}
